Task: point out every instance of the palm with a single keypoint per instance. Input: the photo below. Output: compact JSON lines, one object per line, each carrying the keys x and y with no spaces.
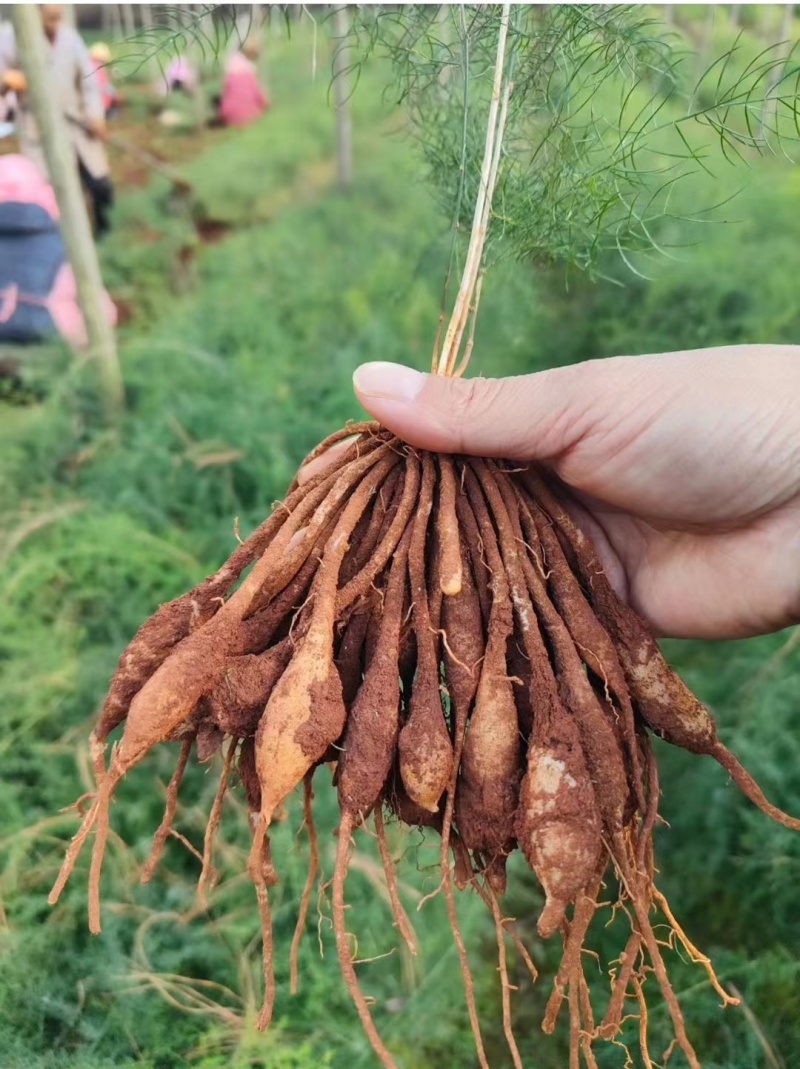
{"x":694,"y":499}
{"x":700,"y":584}
{"x":684,"y":467}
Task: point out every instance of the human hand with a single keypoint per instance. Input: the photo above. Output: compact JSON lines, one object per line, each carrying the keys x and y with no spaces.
{"x":96,"y":128}
{"x":684,"y":469}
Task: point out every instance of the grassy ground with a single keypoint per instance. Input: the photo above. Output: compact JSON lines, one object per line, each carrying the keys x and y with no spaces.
{"x":237,"y":358}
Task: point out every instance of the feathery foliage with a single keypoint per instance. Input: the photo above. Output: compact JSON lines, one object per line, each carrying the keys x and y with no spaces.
{"x":592,"y":152}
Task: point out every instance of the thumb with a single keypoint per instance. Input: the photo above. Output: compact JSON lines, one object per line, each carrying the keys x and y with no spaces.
{"x":527,"y":417}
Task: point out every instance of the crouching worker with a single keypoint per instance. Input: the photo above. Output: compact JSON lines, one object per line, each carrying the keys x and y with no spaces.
{"x":38,"y":294}
{"x":243,"y":99}
{"x":100,"y":59}
{"x":12,"y":83}
{"x":78,"y":95}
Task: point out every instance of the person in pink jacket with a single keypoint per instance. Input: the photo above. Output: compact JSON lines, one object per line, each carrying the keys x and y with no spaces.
{"x":243,"y":99}
{"x":38,"y":293}
{"x":100,"y":59}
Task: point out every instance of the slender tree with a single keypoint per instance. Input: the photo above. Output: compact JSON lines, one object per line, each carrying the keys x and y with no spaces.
{"x":115,"y":20}
{"x":341,"y":96}
{"x":75,"y":226}
{"x":128,"y":19}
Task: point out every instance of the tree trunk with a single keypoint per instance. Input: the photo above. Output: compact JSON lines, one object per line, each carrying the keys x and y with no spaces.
{"x":146,"y":12}
{"x":669,"y":14}
{"x":736,"y":14}
{"x":341,"y":96}
{"x":128,"y":20}
{"x":115,"y":21}
{"x":75,"y":227}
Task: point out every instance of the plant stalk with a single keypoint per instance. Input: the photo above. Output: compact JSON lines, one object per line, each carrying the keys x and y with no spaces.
{"x":498,"y":110}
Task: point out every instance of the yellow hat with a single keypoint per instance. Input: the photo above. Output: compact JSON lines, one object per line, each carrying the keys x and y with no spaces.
{"x":15,"y":81}
{"x":101,"y":52}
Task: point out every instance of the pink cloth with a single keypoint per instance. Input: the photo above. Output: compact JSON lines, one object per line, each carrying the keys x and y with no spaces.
{"x":180,"y":73}
{"x":108,"y":93}
{"x":22,"y":181}
{"x":62,"y":304}
{"x":243,"y":99}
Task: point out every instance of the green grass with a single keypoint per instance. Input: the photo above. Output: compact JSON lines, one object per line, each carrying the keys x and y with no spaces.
{"x":232,"y":375}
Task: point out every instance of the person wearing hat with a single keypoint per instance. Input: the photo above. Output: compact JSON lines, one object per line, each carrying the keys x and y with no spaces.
{"x":78,"y":95}
{"x":13,"y":83}
{"x":243,"y":100}
{"x":100,"y":59}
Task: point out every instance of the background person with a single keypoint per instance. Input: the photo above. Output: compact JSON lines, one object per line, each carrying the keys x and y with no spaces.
{"x":179,"y":77}
{"x":13,"y":83}
{"x":78,"y":95}
{"x":243,"y":100}
{"x":100,"y":58}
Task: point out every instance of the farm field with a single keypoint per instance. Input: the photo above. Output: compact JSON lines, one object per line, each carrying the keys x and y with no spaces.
{"x":245,"y":307}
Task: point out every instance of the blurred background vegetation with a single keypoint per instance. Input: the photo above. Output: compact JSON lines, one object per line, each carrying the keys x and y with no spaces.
{"x":245,"y":312}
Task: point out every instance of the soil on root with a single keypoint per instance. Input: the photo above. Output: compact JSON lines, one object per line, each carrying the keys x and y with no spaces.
{"x":439,"y":632}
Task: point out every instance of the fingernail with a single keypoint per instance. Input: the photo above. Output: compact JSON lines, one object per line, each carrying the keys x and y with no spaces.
{"x":393,"y":382}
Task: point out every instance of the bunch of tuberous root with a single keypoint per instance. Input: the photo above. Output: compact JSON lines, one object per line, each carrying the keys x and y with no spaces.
{"x":438,"y":631}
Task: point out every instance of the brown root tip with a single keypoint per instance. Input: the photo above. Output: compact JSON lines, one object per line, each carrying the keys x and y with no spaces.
{"x":553,"y":1006}
{"x":451,"y":584}
{"x":311,"y":879}
{"x":258,"y":861}
{"x":401,"y":921}
{"x":462,"y":864}
{"x":264,"y":1018}
{"x":102,"y":828}
{"x":505,"y":985}
{"x":461,"y":950}
{"x":343,"y":944}
{"x":550,"y":918}
{"x":165,"y":827}
{"x":496,"y":876}
{"x":72,"y":854}
{"x":208,"y":874}
{"x":749,"y":788}
{"x":639,"y":901}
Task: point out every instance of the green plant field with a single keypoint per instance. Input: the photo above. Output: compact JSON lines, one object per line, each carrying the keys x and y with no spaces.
{"x":237,"y":360}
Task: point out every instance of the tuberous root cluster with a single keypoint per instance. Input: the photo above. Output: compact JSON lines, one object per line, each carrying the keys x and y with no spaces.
{"x":439,"y":632}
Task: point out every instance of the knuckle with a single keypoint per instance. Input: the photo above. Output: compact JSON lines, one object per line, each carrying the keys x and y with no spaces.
{"x":474,"y":399}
